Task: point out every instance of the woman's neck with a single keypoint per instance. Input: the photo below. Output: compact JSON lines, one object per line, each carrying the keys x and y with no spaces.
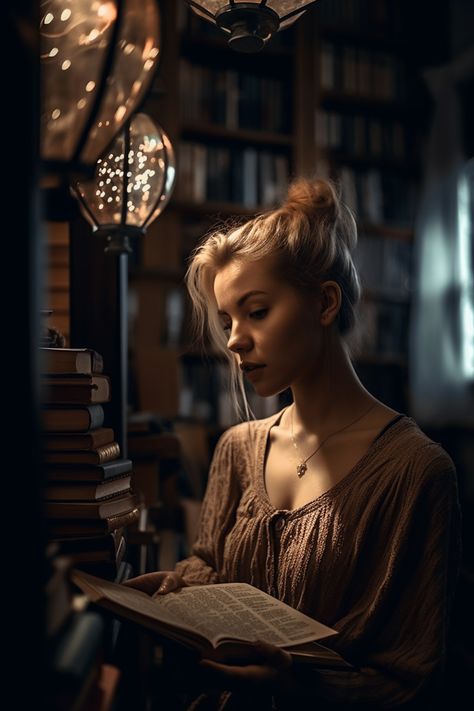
{"x":329,"y":395}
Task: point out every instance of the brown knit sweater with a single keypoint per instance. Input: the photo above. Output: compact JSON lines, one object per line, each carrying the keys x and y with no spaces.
{"x":375,"y":557}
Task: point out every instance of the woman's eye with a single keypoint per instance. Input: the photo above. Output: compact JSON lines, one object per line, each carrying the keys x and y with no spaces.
{"x":226,"y":327}
{"x":258,"y":314}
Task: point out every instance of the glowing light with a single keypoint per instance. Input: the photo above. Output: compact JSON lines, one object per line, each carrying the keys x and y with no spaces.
{"x":465,"y":230}
{"x":120,"y":113}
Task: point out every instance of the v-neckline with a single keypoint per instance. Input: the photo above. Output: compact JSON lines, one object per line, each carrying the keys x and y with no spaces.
{"x":262,"y":449}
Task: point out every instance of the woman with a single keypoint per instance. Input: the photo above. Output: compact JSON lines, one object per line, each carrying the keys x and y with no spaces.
{"x":338,"y":505}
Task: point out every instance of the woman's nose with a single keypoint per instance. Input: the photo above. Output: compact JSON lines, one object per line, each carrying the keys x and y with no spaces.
{"x":239,"y":341}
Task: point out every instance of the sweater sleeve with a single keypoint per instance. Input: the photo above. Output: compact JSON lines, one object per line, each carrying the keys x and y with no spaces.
{"x":397,"y":628}
{"x":217,"y":517}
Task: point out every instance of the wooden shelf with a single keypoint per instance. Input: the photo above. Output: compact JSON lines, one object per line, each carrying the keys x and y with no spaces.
{"x":370,"y":295}
{"x":381,"y":360}
{"x":217,"y":132}
{"x":214,"y":209}
{"x":367,"y":104}
{"x":404,"y":234}
{"x":349,"y":35}
{"x":199,"y":357}
{"x":367,"y":161}
{"x":174,"y":275}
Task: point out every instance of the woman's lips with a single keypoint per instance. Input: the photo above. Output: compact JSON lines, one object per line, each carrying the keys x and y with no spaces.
{"x":252,"y":370}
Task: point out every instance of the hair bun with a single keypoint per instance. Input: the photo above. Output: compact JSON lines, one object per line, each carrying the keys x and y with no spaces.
{"x":312,"y":197}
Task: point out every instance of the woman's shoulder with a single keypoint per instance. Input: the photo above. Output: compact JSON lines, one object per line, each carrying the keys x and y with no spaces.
{"x":412,"y":444}
{"x":249,"y":432}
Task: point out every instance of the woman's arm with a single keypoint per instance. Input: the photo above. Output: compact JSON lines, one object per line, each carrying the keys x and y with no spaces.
{"x":217,"y":516}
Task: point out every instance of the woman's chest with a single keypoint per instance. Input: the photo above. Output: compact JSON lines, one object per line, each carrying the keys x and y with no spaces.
{"x":286,"y":489}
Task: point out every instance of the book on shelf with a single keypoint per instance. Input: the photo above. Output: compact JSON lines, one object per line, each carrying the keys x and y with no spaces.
{"x":64,"y":528}
{"x":102,"y":567}
{"x":75,"y":389}
{"x":58,"y":592}
{"x":105,"y":545}
{"x":218,"y":621}
{"x":81,"y":418}
{"x":103,"y":562}
{"x":98,"y":455}
{"x":88,"y":472}
{"x":97,"y":556}
{"x":71,"y":360}
{"x":78,"y":441}
{"x":90,"y":509}
{"x":87,"y":491}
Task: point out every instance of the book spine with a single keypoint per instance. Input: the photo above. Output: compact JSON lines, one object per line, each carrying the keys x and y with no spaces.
{"x":108,"y":452}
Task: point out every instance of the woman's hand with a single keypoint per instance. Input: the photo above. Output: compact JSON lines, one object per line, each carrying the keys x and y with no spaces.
{"x":269,"y":668}
{"x":159,"y":583}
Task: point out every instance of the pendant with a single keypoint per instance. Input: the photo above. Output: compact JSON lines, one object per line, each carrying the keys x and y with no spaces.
{"x":301,"y":469}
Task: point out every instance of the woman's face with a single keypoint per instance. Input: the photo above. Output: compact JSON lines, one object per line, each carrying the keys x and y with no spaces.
{"x":273,"y":328}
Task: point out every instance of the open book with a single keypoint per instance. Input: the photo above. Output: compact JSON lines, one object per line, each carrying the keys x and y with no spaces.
{"x":219,"y":621}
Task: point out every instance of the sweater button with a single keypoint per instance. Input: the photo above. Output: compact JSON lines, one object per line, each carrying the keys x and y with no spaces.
{"x":280,"y":524}
{"x":250,"y":509}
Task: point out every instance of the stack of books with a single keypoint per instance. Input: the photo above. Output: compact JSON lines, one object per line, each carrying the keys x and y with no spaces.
{"x":89,"y":500}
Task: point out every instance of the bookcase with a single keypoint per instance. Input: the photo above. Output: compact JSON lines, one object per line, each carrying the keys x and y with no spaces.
{"x":327,"y":97}
{"x":366,"y":139}
{"x":236,"y":123}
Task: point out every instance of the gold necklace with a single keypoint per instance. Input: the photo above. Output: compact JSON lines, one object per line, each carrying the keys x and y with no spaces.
{"x":302,"y":468}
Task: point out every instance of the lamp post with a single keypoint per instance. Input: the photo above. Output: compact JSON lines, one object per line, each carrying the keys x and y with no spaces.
{"x":97,"y":61}
{"x":133,"y":182}
{"x":249,"y":25}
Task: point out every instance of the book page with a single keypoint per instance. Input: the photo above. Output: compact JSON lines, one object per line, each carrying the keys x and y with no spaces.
{"x":221,"y":612}
{"x":239,"y":611}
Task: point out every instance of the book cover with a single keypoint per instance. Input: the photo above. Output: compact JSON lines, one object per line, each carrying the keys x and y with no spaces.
{"x":93,"y":527}
{"x":105,"y":544}
{"x":71,"y":360}
{"x":87,"y":491}
{"x":90,"y":509}
{"x":88,"y":472}
{"x":72,"y":419}
{"x":102,"y":567}
{"x":75,"y":389}
{"x":78,"y":441}
{"x":98,"y":455}
{"x":219,"y":621}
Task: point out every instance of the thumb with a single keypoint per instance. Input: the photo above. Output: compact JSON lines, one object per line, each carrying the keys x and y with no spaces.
{"x":275,"y":656}
{"x":147,"y":583}
{"x":169,"y":583}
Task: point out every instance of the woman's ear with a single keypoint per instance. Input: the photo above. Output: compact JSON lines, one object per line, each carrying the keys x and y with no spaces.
{"x":330,"y":302}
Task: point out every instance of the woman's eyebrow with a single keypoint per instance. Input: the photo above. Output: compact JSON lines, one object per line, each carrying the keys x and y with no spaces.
{"x":243,"y":299}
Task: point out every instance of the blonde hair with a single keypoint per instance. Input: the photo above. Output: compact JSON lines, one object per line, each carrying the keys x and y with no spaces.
{"x":312,"y":234}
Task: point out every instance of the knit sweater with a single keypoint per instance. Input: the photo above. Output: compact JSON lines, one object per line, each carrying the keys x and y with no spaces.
{"x":375,"y":557}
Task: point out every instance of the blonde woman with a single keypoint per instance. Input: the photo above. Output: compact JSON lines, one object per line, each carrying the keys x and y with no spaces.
{"x":338,"y":505}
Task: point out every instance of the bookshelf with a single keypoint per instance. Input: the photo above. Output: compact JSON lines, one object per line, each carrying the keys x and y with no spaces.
{"x":366,"y":138}
{"x":327,"y":97}
{"x":237,"y":123}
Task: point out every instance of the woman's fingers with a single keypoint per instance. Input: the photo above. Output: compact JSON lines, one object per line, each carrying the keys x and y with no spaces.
{"x":171,"y":582}
{"x":274,"y":656}
{"x":149,"y":582}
